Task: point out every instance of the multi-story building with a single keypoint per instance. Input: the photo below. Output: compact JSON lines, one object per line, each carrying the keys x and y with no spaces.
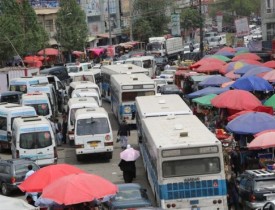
{"x":268,"y":19}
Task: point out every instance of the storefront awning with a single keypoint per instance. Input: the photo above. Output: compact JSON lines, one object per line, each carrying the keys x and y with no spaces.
{"x":91,"y":38}
{"x":104,"y":36}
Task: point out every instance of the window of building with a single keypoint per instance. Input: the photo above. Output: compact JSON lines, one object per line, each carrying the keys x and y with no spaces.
{"x":49,"y":25}
{"x":269,"y":6}
{"x":270,"y":31}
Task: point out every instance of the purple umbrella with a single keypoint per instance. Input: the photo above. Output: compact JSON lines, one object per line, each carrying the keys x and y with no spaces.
{"x":257,"y":70}
{"x":252,"y":83}
{"x":216,"y":80}
{"x":245,"y":69}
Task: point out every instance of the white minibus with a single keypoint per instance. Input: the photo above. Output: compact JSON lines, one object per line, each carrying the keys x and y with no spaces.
{"x":83,"y":85}
{"x":8,"y":112}
{"x":83,"y":93}
{"x":33,"y":138}
{"x":22,"y":84}
{"x":93,"y":133}
{"x":40,"y":102}
{"x":73,"y":105}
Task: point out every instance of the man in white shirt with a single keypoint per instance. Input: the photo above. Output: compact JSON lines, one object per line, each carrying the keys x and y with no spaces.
{"x":29,"y":173}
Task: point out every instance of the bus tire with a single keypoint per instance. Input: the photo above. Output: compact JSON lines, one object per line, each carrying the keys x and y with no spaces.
{"x":4,"y":189}
{"x":109,"y":155}
{"x":79,"y":157}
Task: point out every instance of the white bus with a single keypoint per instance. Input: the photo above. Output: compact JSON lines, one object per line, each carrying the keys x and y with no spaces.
{"x":87,"y":93}
{"x":124,"y":90}
{"x":159,"y":105}
{"x":22,"y":84}
{"x":93,"y":133}
{"x":8,"y":112}
{"x":147,"y":62}
{"x":109,"y":70}
{"x":184,"y":163}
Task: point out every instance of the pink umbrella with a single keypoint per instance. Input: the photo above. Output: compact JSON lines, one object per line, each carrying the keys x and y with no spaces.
{"x":270,"y":64}
{"x":232,"y":75}
{"x":209,"y":67}
{"x":248,"y":56}
{"x":270,"y":76}
{"x":263,"y":141}
{"x":266,"y":131}
{"x":48,"y":51}
{"x":206,"y":61}
{"x":227,"y":49}
{"x":129,"y":154}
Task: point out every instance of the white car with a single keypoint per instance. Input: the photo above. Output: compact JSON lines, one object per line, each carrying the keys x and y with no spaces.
{"x":160,"y":82}
{"x":167,"y":75}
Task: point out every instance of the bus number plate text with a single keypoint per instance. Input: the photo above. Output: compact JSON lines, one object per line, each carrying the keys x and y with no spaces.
{"x":93,"y":144}
{"x":195,"y":179}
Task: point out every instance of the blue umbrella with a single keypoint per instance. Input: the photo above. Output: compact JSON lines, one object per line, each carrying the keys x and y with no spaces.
{"x":216,"y":80}
{"x":257,"y":70}
{"x":225,"y":53}
{"x":206,"y":91}
{"x":245,"y":69}
{"x":251,"y":123}
{"x":252,"y":83}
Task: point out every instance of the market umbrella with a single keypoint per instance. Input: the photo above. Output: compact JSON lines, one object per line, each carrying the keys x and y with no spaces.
{"x":227,"y":49}
{"x":262,"y":132}
{"x":227,"y":84}
{"x":31,"y":58}
{"x":46,"y":175}
{"x":209,"y":67}
{"x":252,"y":83}
{"x":77,"y":53}
{"x":270,"y":101}
{"x":221,"y":57}
{"x":225,"y":53}
{"x":247,"y":56}
{"x":269,"y":76}
{"x":216,"y":80}
{"x":129,"y":154}
{"x":232,"y":117}
{"x":263,"y":141}
{"x":270,"y":64}
{"x":236,"y":99}
{"x":249,"y":61}
{"x":251,"y":123}
{"x":245,"y":69}
{"x":78,"y":188}
{"x":206,"y":91}
{"x":206,"y":61}
{"x":231,"y":66}
{"x":257,"y":70}
{"x":205,"y":100}
{"x":48,"y":51}
{"x":241,"y":49}
{"x":8,"y":203}
{"x":232,"y":75}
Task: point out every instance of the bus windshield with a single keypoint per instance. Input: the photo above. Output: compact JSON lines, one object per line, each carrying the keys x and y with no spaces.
{"x":131,"y":96}
{"x":190,"y":167}
{"x":35,"y":140}
{"x":20,"y":88}
{"x":41,"y":109}
{"x":92,"y":126}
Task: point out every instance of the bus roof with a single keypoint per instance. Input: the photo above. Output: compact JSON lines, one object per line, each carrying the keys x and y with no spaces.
{"x":32,"y":121}
{"x":90,"y":112}
{"x":123,"y":69}
{"x":141,"y":58}
{"x":79,"y":102}
{"x":178,"y":131}
{"x":82,"y":84}
{"x":161,"y":105}
{"x":14,"y":107}
{"x":126,"y":79}
{"x":83,"y":92}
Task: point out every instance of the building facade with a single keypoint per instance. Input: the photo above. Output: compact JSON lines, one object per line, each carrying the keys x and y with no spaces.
{"x":268,"y":19}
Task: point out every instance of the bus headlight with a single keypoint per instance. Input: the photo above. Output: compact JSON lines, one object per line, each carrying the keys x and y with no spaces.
{"x":127,"y":109}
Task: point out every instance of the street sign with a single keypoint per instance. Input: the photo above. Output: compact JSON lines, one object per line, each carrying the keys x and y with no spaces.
{"x":175,"y":24}
{"x":242,"y":27}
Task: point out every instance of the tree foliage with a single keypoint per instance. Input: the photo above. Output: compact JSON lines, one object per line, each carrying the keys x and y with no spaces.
{"x":72,"y":30}
{"x":190,"y":18}
{"x":149,"y":18}
{"x":20,"y":28}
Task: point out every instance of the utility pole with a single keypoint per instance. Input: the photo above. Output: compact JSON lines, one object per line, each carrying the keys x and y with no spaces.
{"x":15,"y":51}
{"x":201,"y":30}
{"x":109,"y":23}
{"x":131,"y":23}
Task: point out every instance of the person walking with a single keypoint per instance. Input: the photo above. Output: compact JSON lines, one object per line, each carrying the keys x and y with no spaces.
{"x":64,"y":128}
{"x":30,"y":197}
{"x":236,"y":161}
{"x":58,"y":135}
{"x":123,"y":132}
{"x":129,"y":170}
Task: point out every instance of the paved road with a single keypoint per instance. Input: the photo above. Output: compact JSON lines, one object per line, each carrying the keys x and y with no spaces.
{"x":96,"y":165}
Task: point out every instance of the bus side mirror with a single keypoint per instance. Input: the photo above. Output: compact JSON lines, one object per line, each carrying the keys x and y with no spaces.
{"x":9,"y":136}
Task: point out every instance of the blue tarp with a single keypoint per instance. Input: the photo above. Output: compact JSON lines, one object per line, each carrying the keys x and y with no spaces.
{"x":206,"y":91}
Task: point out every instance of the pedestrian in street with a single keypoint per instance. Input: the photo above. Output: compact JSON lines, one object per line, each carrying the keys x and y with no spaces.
{"x":236,"y":162}
{"x":129,"y":170}
{"x":123,"y":132}
{"x":58,"y":132}
{"x":30,"y":197}
{"x":232,"y":193}
{"x":64,"y":128}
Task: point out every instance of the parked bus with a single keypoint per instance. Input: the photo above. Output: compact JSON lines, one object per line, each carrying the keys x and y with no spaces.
{"x":147,"y":62}
{"x":8,"y":112}
{"x":83,"y":85}
{"x":108,"y":71}
{"x":124,"y":90}
{"x":184,"y":163}
{"x":22,"y":84}
{"x":159,"y":105}
{"x":87,"y":93}
{"x":93,"y":133}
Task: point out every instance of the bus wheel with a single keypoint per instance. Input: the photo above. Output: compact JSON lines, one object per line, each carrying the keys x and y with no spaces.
{"x":4,"y":189}
{"x":109,"y":155}
{"x":79,"y":157}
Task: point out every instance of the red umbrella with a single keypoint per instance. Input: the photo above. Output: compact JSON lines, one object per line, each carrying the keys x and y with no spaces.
{"x":269,"y":76}
{"x":32,"y":58}
{"x":79,"y":188}
{"x":77,"y":53}
{"x":45,"y":176}
{"x":266,"y":131}
{"x":206,"y":61}
{"x":232,"y":117}
{"x":209,"y":67}
{"x":252,"y":62}
{"x":48,"y":51}
{"x":246,"y":56}
{"x":270,"y":64}
{"x":263,"y":141}
{"x":227,"y":49}
{"x":237,"y":100}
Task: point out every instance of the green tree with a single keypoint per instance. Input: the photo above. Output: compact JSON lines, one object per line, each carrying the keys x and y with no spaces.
{"x":72,"y":29}
{"x":20,"y":28}
{"x":149,"y":18}
{"x":190,"y":18}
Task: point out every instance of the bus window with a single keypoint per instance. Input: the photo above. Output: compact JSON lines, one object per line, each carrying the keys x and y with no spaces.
{"x":131,"y":96}
{"x":92,"y":126}
{"x":20,"y":88}
{"x":35,"y":140}
{"x":3,"y":123}
{"x":11,"y":99}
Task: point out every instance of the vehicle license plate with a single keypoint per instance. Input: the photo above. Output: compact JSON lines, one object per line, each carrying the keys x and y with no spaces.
{"x":93,"y":144}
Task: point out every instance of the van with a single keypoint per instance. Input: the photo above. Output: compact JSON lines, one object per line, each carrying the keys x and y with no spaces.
{"x":33,"y":138}
{"x":50,"y":91}
{"x":22,"y":84}
{"x":11,"y":97}
{"x":73,"y":105}
{"x":83,"y":85}
{"x":87,"y":93}
{"x":80,"y":67}
{"x":93,"y":133}
{"x":8,"y":112}
{"x":59,"y":71}
{"x":40,"y":102}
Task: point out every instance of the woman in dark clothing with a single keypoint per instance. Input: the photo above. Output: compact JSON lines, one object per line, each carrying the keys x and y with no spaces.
{"x":64,"y":128}
{"x":129,"y":170}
